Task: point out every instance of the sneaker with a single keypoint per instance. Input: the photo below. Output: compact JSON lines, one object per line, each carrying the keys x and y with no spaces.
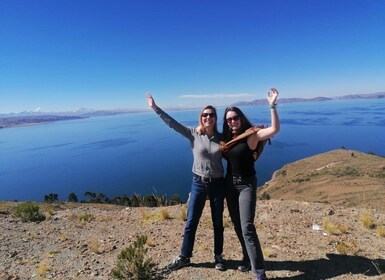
{"x":178,"y":262}
{"x":261,"y":275}
{"x":244,"y":267}
{"x":219,"y":262}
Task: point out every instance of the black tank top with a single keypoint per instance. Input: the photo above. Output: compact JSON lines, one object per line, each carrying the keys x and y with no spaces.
{"x":240,"y":161}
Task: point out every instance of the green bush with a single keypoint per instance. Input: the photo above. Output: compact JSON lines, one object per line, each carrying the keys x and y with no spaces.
{"x":132,"y":264}
{"x":52,"y":197}
{"x":28,"y":212}
{"x":72,"y":197}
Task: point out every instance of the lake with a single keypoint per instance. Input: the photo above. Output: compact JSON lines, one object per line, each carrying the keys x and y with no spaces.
{"x":138,"y":153}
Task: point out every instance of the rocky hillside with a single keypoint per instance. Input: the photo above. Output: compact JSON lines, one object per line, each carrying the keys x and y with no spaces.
{"x":340,"y":177}
{"x":300,"y":239}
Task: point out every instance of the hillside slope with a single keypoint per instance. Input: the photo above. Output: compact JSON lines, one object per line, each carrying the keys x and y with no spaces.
{"x":339,"y":177}
{"x":300,"y":240}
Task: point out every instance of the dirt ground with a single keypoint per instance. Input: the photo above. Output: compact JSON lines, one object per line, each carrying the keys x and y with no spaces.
{"x":300,"y":240}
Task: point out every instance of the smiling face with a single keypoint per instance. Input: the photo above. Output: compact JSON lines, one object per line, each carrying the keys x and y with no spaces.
{"x":233,"y":121}
{"x":209,"y":118}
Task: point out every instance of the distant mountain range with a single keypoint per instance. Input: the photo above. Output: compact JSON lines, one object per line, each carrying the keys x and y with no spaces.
{"x":82,"y":112}
{"x":37,"y":117}
{"x":377,"y":95}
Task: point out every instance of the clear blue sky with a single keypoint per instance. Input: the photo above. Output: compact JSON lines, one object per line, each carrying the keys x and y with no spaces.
{"x":60,"y":55}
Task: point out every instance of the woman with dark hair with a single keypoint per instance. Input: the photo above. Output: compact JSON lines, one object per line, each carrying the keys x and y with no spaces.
{"x":207,"y":181}
{"x":241,"y":180}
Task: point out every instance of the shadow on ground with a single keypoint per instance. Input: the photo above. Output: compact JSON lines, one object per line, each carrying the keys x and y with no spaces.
{"x":333,"y":265}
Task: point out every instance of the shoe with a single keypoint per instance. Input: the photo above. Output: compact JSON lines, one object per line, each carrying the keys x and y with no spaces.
{"x":219,"y":262}
{"x":179,"y":262}
{"x":261,"y":275}
{"x":244,"y":267}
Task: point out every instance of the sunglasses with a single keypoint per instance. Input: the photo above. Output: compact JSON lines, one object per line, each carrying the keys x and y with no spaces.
{"x":235,"y":118}
{"x":205,"y":115}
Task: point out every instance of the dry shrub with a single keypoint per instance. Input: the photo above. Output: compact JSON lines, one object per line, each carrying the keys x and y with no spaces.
{"x":183,"y":213}
{"x":43,"y":268}
{"x":367,"y":220}
{"x":346,"y":248}
{"x":268,"y":253}
{"x":381,"y":231}
{"x":145,"y":215}
{"x":226,"y":223}
{"x":94,"y":246}
{"x":164,"y":214}
{"x":150,"y":242}
{"x":329,"y":227}
{"x":85,"y":217}
{"x":82,"y":217}
{"x":343,"y":228}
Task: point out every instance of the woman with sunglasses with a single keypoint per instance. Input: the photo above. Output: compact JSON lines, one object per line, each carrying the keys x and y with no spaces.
{"x":207,"y":181}
{"x":241,"y":180}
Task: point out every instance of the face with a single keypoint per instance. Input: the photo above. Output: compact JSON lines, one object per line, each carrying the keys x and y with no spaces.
{"x":233,"y":121}
{"x":208,"y":118}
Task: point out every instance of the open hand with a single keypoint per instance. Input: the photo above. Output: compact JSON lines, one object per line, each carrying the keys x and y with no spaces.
{"x":272,"y":96}
{"x":150,"y":100}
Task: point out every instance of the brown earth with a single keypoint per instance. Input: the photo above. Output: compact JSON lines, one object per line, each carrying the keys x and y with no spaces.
{"x":66,"y":247}
{"x":340,"y":177}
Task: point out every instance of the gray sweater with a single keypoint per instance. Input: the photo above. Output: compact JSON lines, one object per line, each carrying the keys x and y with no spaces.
{"x":206,"y":151}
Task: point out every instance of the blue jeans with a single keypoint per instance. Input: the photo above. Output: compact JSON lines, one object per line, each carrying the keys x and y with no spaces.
{"x":241,"y":197}
{"x":199,"y":192}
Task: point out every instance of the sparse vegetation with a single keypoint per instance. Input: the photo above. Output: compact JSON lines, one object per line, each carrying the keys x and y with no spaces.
{"x":329,"y":227}
{"x":43,"y":268}
{"x":380,"y":230}
{"x":94,"y":246}
{"x":281,"y":172}
{"x":301,"y":180}
{"x":226,"y":223}
{"x":82,"y":217}
{"x":346,"y":248}
{"x":147,"y":216}
{"x":265,"y":196}
{"x":342,"y":228}
{"x":347,"y":171}
{"x":337,"y":174}
{"x":133,"y":264}
{"x":164,"y":214}
{"x":85,"y":217}
{"x":183,"y":213}
{"x":267,"y":253}
{"x":367,"y":220}
{"x":28,"y":212}
{"x":135,"y":200}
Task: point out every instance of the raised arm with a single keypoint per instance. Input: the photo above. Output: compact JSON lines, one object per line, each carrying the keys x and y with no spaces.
{"x":269,"y":131}
{"x":151,"y":101}
{"x":172,"y":123}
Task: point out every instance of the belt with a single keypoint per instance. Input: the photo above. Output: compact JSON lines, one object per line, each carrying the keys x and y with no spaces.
{"x":207,"y":180}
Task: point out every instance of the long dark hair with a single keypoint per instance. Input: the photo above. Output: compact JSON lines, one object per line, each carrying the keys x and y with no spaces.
{"x":245,"y":124}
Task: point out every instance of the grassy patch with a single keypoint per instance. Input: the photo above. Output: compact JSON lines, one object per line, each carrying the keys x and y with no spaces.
{"x":28,"y":212}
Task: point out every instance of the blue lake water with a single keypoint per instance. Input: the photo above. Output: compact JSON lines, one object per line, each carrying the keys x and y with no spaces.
{"x":138,"y":153}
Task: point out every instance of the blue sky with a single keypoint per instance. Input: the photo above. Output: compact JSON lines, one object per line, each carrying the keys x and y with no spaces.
{"x":58,"y":55}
